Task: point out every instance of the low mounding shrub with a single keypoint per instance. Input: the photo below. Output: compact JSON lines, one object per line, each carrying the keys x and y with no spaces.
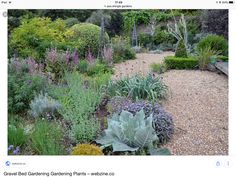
{"x":47,"y":138}
{"x":87,"y":149}
{"x":89,"y":36}
{"x":214,"y":42}
{"x":44,"y":106}
{"x":139,"y":87}
{"x":162,"y":121}
{"x":145,"y":40}
{"x":79,"y":100}
{"x":181,"y":63}
{"x":122,"y":50}
{"x":97,"y":68}
{"x":181,"y":50}
{"x":158,"y":67}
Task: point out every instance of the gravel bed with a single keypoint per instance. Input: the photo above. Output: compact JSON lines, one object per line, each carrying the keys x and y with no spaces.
{"x":140,"y":65}
{"x":198,"y":102}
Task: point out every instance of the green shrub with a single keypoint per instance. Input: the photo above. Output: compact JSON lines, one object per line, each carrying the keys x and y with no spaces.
{"x":214,"y":42}
{"x":97,"y":68}
{"x":145,"y":39}
{"x":122,"y":50}
{"x":89,"y":36}
{"x":71,"y":21}
{"x":79,"y":101}
{"x":22,"y":89}
{"x":181,"y":63}
{"x":204,"y":57}
{"x":158,"y":67}
{"x":181,"y":50}
{"x":35,"y":35}
{"x":162,"y":36}
{"x":47,"y":138}
{"x":16,"y":136}
{"x":83,"y":66}
{"x":139,"y":87}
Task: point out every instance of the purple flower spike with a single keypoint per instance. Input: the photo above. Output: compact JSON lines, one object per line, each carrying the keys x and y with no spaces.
{"x":76,"y":57}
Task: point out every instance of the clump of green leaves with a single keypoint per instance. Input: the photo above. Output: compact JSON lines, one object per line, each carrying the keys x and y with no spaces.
{"x":131,"y":133}
{"x":139,"y":87}
{"x":47,"y":138}
{"x":79,"y":100}
{"x":158,"y":68}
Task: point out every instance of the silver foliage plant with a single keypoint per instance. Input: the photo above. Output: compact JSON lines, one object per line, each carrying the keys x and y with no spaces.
{"x":43,"y":106}
{"x":126,"y":132}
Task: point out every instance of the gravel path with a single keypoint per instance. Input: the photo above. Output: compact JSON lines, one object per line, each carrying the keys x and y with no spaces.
{"x":198,"y":102}
{"x":140,"y":65}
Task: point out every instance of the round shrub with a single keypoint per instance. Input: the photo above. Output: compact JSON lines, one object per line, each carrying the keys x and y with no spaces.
{"x":145,"y":39}
{"x":181,"y":50}
{"x":214,"y":42}
{"x":34,"y":36}
{"x":89,"y":37}
{"x":87,"y":149}
{"x":162,"y":121}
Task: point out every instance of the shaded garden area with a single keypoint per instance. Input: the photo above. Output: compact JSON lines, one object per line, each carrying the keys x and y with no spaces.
{"x":117,"y":82}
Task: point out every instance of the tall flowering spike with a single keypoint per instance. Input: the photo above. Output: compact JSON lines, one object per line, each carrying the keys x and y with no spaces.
{"x":67,"y":56}
{"x":52,"y":55}
{"x":90,"y":57}
{"x":75,"y":57}
{"x":108,"y":55}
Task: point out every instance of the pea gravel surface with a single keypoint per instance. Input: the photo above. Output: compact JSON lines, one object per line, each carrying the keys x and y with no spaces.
{"x":198,"y":102}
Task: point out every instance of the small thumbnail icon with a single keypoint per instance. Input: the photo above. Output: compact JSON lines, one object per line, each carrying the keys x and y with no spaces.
{"x":8,"y":163}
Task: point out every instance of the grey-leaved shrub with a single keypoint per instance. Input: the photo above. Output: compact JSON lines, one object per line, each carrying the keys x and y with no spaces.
{"x":43,"y":106}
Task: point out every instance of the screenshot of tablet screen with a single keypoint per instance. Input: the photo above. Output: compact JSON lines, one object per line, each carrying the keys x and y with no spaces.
{"x":117,"y":88}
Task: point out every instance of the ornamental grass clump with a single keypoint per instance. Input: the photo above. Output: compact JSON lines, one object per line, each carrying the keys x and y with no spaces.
{"x":139,"y":87}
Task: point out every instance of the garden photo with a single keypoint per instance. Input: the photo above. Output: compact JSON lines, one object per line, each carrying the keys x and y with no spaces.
{"x":117,"y":82}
